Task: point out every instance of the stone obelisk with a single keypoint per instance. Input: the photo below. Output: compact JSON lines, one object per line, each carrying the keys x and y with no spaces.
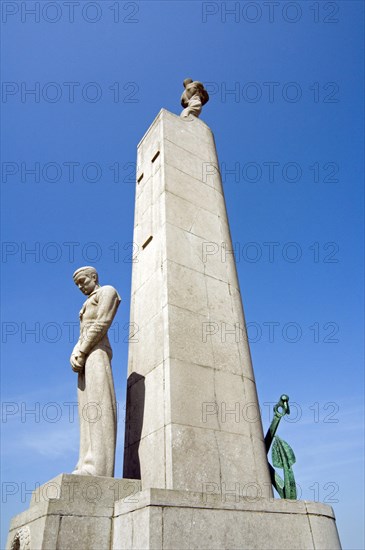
{"x":192,"y":410}
{"x":193,"y":431}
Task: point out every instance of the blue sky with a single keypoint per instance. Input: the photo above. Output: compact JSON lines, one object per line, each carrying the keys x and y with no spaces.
{"x":286,"y":87}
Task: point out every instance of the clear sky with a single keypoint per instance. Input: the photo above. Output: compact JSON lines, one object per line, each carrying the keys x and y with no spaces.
{"x":286,"y":87}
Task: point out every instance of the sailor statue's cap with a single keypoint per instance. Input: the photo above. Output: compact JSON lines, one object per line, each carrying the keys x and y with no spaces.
{"x":87,"y":268}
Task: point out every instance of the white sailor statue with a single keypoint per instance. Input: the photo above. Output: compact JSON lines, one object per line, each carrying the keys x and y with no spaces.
{"x":91,"y":359}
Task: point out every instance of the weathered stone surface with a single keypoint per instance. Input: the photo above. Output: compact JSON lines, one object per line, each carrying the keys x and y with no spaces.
{"x":194,"y":164}
{"x":199,"y":193}
{"x":323,"y":533}
{"x":73,"y":512}
{"x":149,"y":391}
{"x":188,"y":520}
{"x":87,"y":533}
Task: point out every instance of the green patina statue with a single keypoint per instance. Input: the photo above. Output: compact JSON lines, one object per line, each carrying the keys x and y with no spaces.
{"x":282,"y":454}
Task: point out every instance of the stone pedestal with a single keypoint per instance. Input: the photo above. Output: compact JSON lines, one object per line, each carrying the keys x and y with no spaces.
{"x":71,"y":512}
{"x":98,"y":513}
{"x":179,"y":520}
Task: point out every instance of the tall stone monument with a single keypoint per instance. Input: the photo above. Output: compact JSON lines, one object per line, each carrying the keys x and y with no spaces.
{"x":183,"y":429}
{"x":201,"y":458}
{"x":194,"y":444}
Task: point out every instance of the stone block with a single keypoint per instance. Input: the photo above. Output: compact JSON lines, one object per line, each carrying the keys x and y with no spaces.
{"x":186,"y":288}
{"x":140,"y":529}
{"x":184,"y":248}
{"x":144,"y":354}
{"x":132,"y":531}
{"x":324,"y":535}
{"x":221,"y":303}
{"x":192,"y":164}
{"x":149,"y":299}
{"x":147,"y":150}
{"x":35,"y":526}
{"x":145,"y":460}
{"x":180,"y":212}
{"x":226,"y":350}
{"x":185,"y":337}
{"x":144,"y":195}
{"x":194,"y":252}
{"x":144,"y":396}
{"x":208,"y":226}
{"x":148,"y":259}
{"x":73,"y":512}
{"x":84,"y":533}
{"x":193,"y":460}
{"x":199,"y":194}
{"x":237,"y":406}
{"x":188,"y":520}
{"x":193,"y":134}
{"x":194,"y":386}
{"x":242,"y":475}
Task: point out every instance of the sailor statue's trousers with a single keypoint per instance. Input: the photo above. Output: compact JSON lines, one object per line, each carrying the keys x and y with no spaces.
{"x":97,"y":413}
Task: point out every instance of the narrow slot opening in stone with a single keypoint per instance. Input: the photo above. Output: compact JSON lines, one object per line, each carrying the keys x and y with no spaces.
{"x":146,"y":243}
{"x":140,"y":178}
{"x":155,"y":157}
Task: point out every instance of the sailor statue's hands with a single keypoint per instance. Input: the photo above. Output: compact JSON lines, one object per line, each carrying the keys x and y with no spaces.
{"x":77,"y":360}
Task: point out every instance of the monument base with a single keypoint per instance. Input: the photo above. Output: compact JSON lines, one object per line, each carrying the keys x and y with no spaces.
{"x":71,"y":512}
{"x":178,"y":520}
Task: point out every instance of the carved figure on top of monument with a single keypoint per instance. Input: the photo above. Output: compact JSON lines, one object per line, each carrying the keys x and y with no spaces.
{"x":91,"y":359}
{"x":193,"y":98}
